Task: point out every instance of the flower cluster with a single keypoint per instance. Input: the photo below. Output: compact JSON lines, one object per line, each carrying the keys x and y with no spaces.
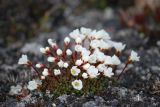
{"x":87,"y":55}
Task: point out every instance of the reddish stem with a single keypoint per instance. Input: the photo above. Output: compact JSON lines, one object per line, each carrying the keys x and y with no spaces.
{"x":123,"y":71}
{"x":32,"y":66}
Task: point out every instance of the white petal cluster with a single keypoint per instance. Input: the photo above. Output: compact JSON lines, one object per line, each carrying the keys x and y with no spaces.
{"x":32,"y":85}
{"x":91,"y":57}
{"x":65,"y":65}
{"x":92,"y":72}
{"x":51,"y":59}
{"x":108,"y":72}
{"x":119,"y":46}
{"x":15,"y":90}
{"x":51,"y":43}
{"x":76,"y":33}
{"x":79,"y":62}
{"x":61,"y":64}
{"x":75,"y":71}
{"x":78,"y":48}
{"x":68,"y":52}
{"x":77,"y":84}
{"x":134,"y":56}
{"x":67,"y":40}
{"x":44,"y":50}
{"x":23,"y":60}
{"x":102,"y":67}
{"x":85,"y":31}
{"x":59,"y":52}
{"x":57,"y":72}
{"x":86,"y":66}
{"x":45,"y":72}
{"x":114,"y":60}
{"x":85,"y":75}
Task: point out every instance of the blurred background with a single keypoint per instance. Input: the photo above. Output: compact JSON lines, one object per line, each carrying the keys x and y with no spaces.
{"x":21,"y":20}
{"x":25,"y":26}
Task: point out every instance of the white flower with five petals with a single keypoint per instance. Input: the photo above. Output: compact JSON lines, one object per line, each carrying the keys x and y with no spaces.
{"x":77,"y":84}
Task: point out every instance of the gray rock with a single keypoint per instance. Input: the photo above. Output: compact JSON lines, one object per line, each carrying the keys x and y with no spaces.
{"x":89,"y":104}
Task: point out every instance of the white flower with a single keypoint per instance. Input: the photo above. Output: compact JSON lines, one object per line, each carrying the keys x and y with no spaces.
{"x":76,"y":33}
{"x":77,"y":84}
{"x":115,"y":60}
{"x":92,"y":59}
{"x":60,"y":63}
{"x":51,"y":59}
{"x":92,"y":71}
{"x":68,"y":52}
{"x":119,"y":46}
{"x":59,"y":52}
{"x":78,"y":40}
{"x":75,"y":71}
{"x":67,"y":40}
{"x":85,"y":31}
{"x":92,"y":35}
{"x":32,"y":85}
{"x":78,"y":48}
{"x":102,"y":34}
{"x":23,"y":60}
{"x":85,"y":54}
{"x":101,"y":57}
{"x":84,"y":51}
{"x":15,"y":90}
{"x":43,"y":50}
{"x":85,"y":58}
{"x":65,"y":65}
{"x":79,"y":62}
{"x":51,"y":43}
{"x":108,"y":60}
{"x":104,"y":45}
{"x":85,"y":75}
{"x":134,"y":56}
{"x":86,"y":66}
{"x":95,"y":44}
{"x":57,"y":72}
{"x":101,"y":67}
{"x":108,"y":72}
{"x":45,"y":72}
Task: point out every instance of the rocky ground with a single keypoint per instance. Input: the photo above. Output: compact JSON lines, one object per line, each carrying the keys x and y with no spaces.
{"x":139,"y":87}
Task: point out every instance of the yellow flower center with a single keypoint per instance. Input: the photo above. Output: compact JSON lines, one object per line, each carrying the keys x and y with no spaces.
{"x":73,"y":72}
{"x":76,"y":84}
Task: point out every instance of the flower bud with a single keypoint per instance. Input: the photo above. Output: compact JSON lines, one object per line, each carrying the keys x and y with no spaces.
{"x":79,"y":62}
{"x":68,"y":52}
{"x":59,"y":52}
{"x":78,"y":40}
{"x":67,"y":40}
{"x":45,"y":72}
{"x":51,"y":59}
{"x":85,"y":75}
{"x":65,"y":65}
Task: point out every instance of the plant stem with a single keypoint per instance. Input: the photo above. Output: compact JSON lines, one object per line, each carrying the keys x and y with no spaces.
{"x":123,"y":71}
{"x":32,"y":66}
